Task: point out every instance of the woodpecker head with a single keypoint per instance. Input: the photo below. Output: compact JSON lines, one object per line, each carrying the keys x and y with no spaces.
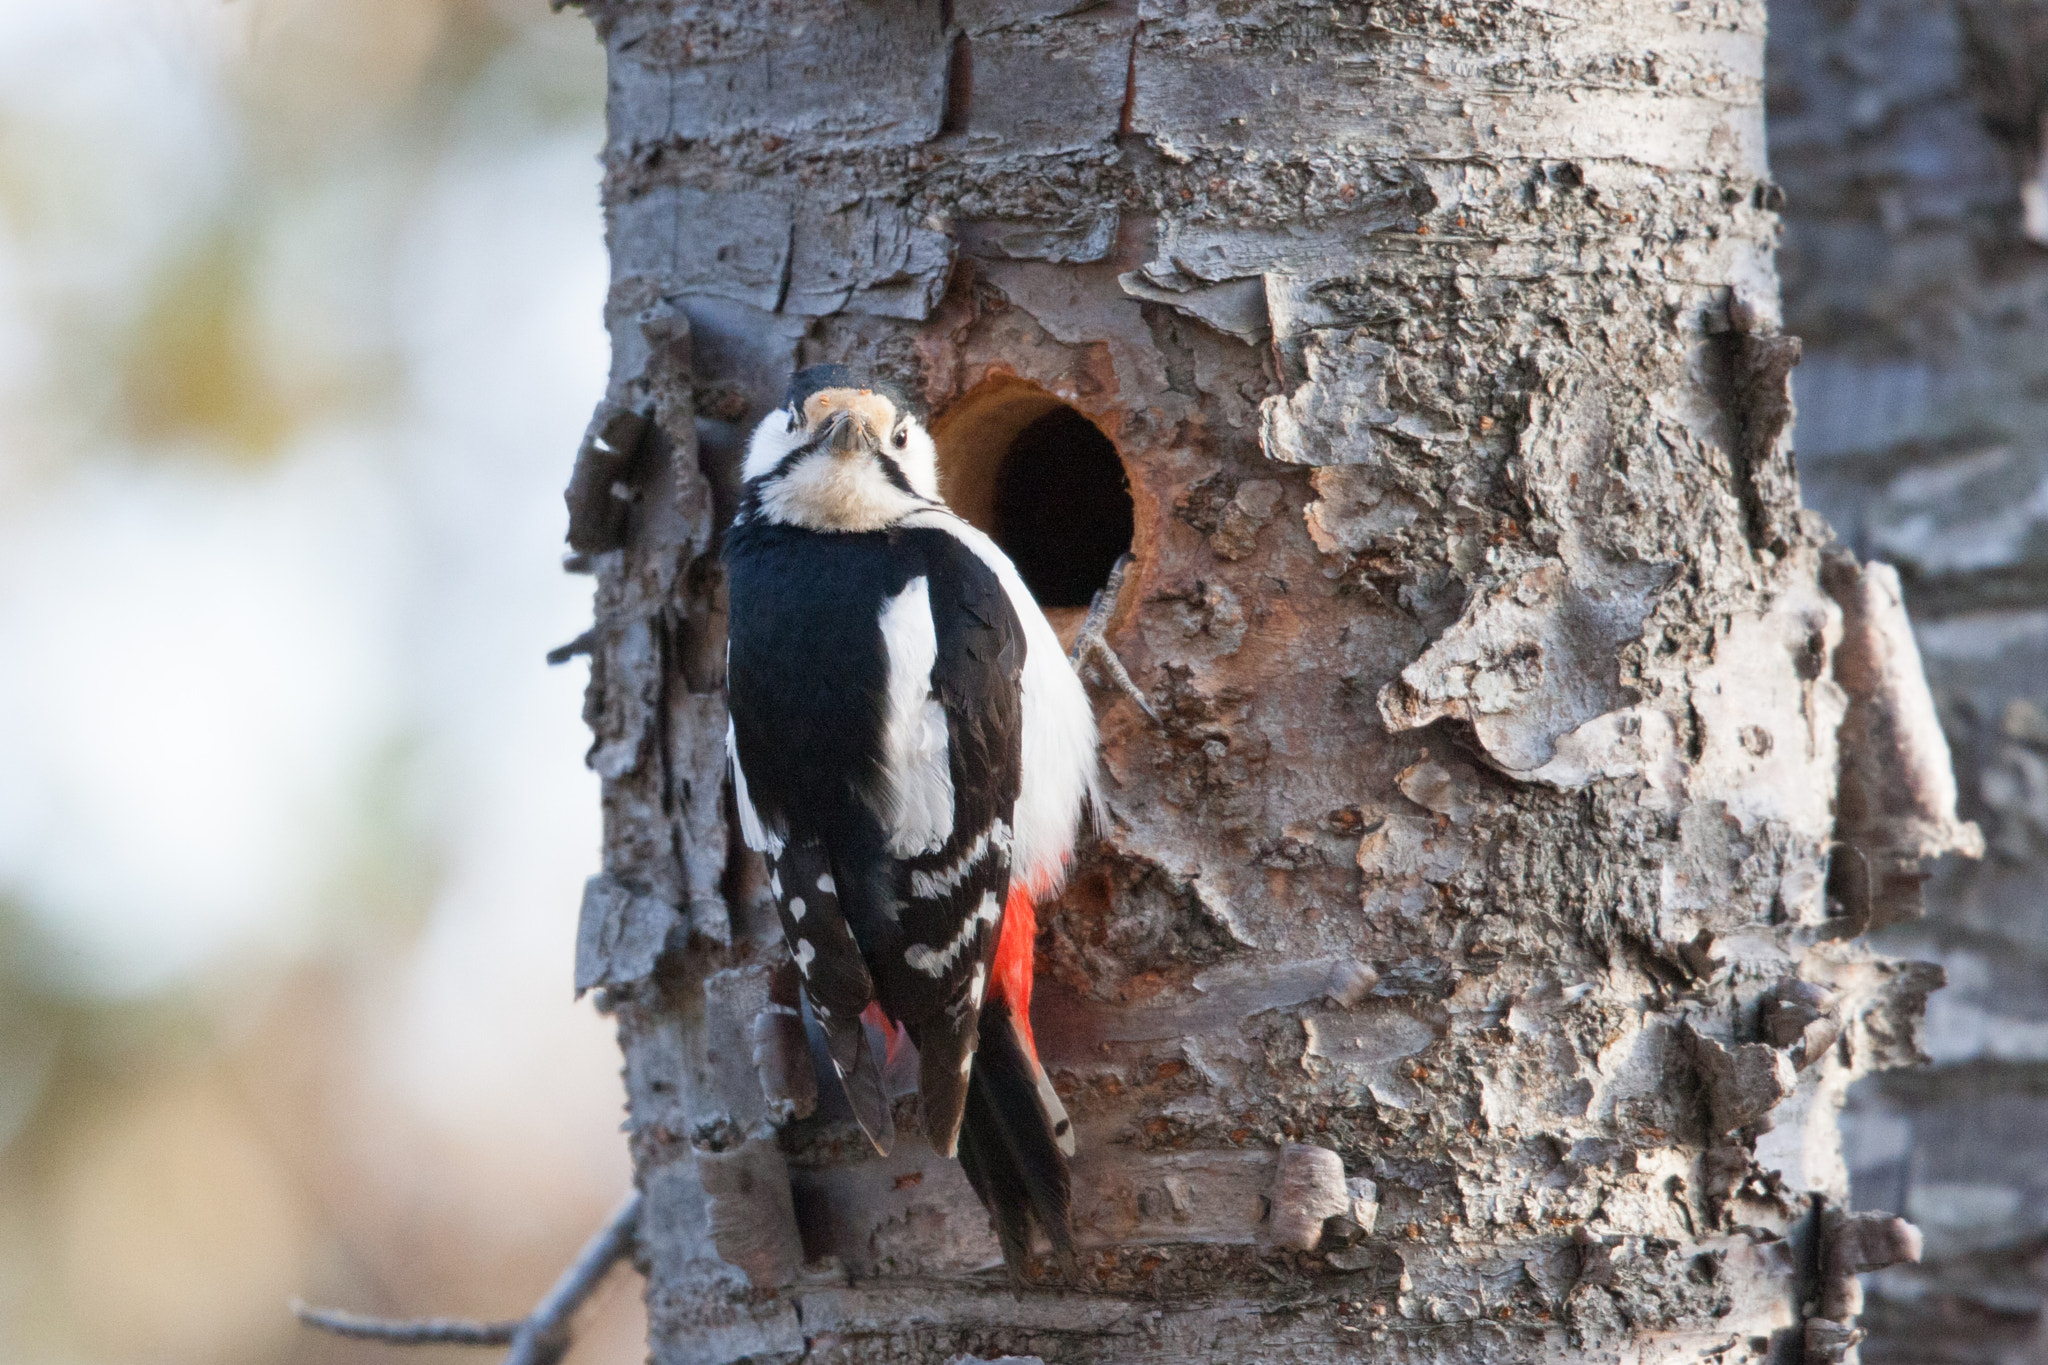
{"x":840,"y":454}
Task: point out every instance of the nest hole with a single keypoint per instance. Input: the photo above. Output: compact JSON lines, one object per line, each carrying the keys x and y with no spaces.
{"x":1043,"y":481}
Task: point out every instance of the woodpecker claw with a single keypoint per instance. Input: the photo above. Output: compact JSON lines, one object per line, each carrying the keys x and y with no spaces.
{"x":1096,"y":654}
{"x":1092,"y":656}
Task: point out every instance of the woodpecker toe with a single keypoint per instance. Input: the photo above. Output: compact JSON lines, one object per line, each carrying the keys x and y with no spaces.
{"x":1092,"y":650}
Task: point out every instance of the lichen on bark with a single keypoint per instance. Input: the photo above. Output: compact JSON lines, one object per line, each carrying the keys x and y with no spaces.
{"x":1483,"y":840}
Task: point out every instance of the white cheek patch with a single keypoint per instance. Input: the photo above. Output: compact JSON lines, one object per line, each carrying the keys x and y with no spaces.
{"x":919,"y":461}
{"x":772,"y":440}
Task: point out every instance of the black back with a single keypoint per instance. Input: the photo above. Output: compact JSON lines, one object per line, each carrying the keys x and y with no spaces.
{"x":808,"y":693}
{"x":808,"y":675}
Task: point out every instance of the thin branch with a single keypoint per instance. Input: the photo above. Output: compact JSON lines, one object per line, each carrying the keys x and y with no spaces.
{"x":544,"y":1336}
{"x":582,"y":644}
{"x":406,"y":1332}
{"x":540,"y":1338}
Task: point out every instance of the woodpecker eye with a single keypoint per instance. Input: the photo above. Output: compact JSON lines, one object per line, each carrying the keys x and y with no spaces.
{"x":901,"y":438}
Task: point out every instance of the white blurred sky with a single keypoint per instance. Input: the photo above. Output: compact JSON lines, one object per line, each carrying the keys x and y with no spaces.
{"x":206,"y":664}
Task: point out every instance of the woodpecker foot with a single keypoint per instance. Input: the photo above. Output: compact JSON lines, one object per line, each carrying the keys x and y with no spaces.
{"x":1092,"y":656}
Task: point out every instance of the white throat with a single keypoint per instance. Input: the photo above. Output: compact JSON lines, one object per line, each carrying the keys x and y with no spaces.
{"x":827,"y":492}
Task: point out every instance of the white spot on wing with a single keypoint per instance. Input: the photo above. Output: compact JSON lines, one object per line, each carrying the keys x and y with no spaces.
{"x":804,"y":953}
{"x":935,"y":963}
{"x":930,"y":886}
{"x":797,"y":907}
{"x":827,"y":885}
{"x":917,"y":767}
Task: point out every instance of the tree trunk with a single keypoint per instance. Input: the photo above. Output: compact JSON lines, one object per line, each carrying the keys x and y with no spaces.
{"x":1463,"y":973}
{"x":1909,"y":135}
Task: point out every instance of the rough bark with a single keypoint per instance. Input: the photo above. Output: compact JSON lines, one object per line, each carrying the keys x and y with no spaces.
{"x":1459,"y":977}
{"x":1908,"y":134}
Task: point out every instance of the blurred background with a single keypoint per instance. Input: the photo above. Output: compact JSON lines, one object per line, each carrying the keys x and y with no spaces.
{"x":1910,"y":138}
{"x":299,"y":328}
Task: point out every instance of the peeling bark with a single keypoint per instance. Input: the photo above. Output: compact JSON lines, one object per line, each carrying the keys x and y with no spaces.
{"x":1457,"y":978}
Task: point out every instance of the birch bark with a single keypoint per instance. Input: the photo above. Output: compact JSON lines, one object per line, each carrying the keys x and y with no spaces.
{"x":1465,"y":973}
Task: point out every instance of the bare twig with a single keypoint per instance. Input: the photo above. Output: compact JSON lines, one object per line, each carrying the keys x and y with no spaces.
{"x":582,"y":644}
{"x":540,"y":1338}
{"x":406,"y":1332}
{"x":545,"y":1334}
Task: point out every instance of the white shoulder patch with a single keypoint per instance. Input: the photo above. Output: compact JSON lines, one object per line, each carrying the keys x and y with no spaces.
{"x":1060,"y":772}
{"x":752,"y":832}
{"x":917,"y":758}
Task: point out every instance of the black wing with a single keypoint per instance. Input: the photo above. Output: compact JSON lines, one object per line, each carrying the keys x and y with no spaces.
{"x":952,"y":899}
{"x":835,"y":978}
{"x":808,"y":682}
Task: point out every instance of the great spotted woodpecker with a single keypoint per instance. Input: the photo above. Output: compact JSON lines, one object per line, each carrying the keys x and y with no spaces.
{"x":913,"y":753}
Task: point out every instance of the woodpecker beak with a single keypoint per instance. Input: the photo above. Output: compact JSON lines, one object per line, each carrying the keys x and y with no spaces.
{"x":847,"y":435}
{"x":849,"y":422}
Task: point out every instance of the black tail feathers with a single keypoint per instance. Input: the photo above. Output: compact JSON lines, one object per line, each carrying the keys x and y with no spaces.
{"x":1009,"y":1151}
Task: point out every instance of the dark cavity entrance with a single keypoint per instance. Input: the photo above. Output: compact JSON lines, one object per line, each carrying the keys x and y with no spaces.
{"x":1043,"y":480}
{"x":1062,"y":507}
